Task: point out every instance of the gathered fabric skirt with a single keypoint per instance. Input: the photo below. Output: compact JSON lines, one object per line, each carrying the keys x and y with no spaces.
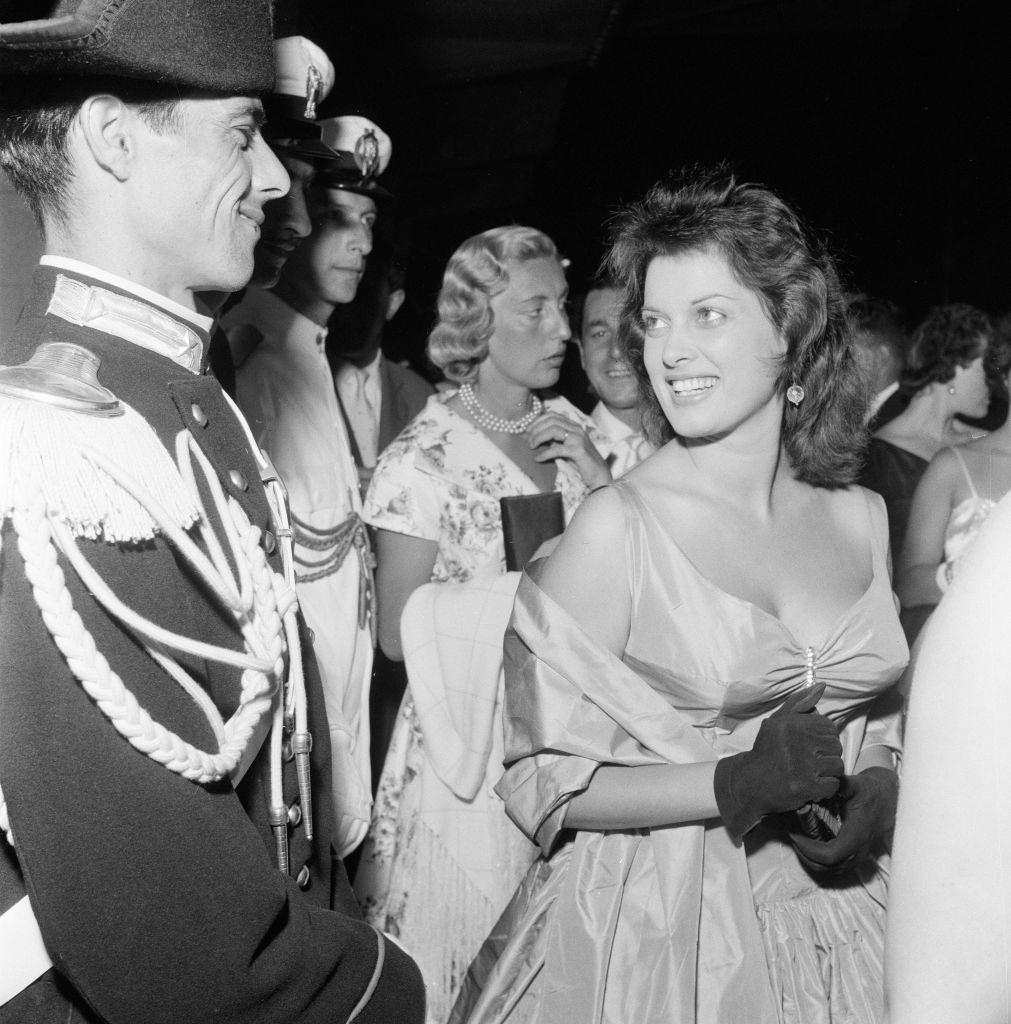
{"x":823,"y":939}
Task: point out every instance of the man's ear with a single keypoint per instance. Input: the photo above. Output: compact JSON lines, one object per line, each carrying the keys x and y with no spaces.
{"x":109,"y":129}
{"x":394,"y":302}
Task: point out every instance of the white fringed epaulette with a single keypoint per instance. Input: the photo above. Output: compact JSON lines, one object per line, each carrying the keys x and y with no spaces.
{"x":55,"y":448}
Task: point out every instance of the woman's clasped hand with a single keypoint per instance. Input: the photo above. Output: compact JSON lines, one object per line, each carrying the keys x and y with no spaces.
{"x":796,"y":759}
{"x":867,"y":810}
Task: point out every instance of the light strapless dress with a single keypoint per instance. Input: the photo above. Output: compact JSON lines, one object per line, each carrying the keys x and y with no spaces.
{"x":963,"y":526}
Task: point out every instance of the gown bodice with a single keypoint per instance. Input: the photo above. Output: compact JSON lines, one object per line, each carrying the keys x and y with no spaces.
{"x":722,"y":660}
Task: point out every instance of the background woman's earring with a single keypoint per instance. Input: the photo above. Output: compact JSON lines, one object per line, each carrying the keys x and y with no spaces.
{"x":951,"y":389}
{"x":795,"y":394}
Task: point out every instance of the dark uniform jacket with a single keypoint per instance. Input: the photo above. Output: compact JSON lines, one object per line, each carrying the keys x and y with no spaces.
{"x":159,"y":899}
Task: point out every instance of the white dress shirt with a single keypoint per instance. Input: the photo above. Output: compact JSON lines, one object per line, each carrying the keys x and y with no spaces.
{"x":628,"y":447}
{"x":879,"y":400}
{"x":286,"y":390}
{"x":361,"y":395}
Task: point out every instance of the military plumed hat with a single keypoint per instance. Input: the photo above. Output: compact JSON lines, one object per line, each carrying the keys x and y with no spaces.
{"x":221,"y":45}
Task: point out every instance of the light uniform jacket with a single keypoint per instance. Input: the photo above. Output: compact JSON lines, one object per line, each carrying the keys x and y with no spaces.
{"x":286,"y":391}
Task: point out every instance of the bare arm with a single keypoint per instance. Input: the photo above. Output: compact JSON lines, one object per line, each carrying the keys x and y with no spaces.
{"x":403,"y":564}
{"x":592,"y":549}
{"x":923,"y":549}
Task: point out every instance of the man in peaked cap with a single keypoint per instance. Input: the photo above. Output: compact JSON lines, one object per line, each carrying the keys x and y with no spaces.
{"x":286,"y":390}
{"x":164,"y":758}
{"x":304,"y":78}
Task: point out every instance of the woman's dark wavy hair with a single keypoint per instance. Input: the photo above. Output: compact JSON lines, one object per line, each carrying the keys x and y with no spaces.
{"x":772,"y":253}
{"x":950,"y":336}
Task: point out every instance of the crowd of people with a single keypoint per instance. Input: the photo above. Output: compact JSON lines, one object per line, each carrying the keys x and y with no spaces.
{"x":287,"y":733}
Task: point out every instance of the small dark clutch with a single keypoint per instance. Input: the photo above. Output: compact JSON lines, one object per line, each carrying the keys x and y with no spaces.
{"x":528,"y":520}
{"x":821,"y":821}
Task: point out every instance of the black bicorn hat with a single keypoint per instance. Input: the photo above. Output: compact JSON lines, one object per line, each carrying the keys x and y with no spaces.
{"x":223,"y":46}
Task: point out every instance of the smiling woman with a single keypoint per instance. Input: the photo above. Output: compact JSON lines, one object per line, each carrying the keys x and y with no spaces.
{"x":670,"y":737}
{"x":764,"y":250}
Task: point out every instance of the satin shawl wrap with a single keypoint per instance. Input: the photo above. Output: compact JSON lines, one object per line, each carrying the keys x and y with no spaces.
{"x":571,"y":706}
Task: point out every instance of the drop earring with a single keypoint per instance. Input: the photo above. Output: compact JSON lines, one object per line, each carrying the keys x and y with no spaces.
{"x":795,"y":394}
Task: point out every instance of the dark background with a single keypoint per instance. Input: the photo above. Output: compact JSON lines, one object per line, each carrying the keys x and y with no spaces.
{"x":883,"y":121}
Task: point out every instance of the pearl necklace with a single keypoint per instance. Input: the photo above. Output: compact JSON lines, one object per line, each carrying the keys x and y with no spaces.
{"x":489,"y":421}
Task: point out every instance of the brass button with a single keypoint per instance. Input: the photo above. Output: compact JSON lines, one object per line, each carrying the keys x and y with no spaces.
{"x":302,"y":879}
{"x":294,"y":815}
{"x":199,"y":415}
{"x":312,"y":634}
{"x":238,"y":480}
{"x":269,"y":542}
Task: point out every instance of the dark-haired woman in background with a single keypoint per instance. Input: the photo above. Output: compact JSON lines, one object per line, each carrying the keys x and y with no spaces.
{"x":661,"y":731}
{"x":953,"y":499}
{"x":944,"y":377}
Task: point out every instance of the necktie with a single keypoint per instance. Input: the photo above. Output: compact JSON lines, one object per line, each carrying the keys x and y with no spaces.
{"x":362,"y":414}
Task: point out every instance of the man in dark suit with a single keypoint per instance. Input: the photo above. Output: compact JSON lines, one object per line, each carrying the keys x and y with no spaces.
{"x":880,"y":340}
{"x":379,"y":397}
{"x":166,"y":831}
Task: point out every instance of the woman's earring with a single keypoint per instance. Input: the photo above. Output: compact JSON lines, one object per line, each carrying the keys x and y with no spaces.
{"x":795,"y":394}
{"x":951,"y":389}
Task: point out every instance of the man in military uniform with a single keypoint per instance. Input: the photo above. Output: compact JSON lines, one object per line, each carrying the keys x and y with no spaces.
{"x":304,"y":76}
{"x":164,"y":755}
{"x":286,"y":390}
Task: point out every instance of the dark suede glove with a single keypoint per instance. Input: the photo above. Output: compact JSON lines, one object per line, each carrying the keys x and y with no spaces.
{"x":867,"y":804}
{"x":797,"y":758}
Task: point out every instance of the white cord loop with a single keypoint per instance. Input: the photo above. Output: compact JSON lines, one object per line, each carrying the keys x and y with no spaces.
{"x":261,"y":602}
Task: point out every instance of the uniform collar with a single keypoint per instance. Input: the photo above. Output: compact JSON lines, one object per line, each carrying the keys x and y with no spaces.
{"x":275,"y":320}
{"x":131,"y":312}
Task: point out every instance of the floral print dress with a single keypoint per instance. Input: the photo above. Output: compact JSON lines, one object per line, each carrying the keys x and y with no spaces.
{"x":436,"y":871}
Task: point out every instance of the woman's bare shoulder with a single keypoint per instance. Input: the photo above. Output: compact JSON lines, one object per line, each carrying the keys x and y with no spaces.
{"x":599,"y":520}
{"x":854,"y":510}
{"x":584,"y":574}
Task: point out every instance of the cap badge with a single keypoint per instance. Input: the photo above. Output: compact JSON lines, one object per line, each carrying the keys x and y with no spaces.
{"x":313,"y":88}
{"x":367,"y":153}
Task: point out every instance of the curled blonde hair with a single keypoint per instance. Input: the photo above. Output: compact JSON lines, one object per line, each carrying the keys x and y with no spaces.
{"x":475,"y":274}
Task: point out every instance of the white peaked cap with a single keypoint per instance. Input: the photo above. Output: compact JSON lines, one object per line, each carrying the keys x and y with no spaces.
{"x":293,"y":57}
{"x":343,"y":133}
